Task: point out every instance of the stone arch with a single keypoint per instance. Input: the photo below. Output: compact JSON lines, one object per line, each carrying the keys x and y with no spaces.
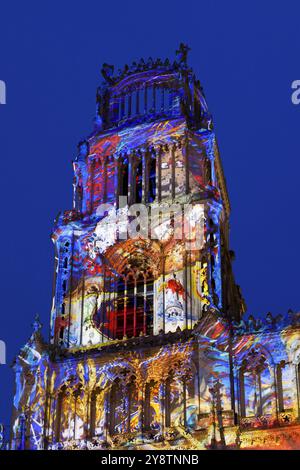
{"x":140,"y":254}
{"x":136,"y":264}
{"x":119,"y":396}
{"x":256,"y":382}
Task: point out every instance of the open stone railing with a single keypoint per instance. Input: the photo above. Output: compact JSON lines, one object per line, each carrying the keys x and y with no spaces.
{"x":267,"y":324}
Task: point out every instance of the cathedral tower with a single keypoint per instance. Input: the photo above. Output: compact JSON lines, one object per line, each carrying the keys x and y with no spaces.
{"x":142,"y":261}
{"x":153,"y":145}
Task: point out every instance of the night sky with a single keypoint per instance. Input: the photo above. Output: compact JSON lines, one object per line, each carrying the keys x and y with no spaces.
{"x":246,"y":55}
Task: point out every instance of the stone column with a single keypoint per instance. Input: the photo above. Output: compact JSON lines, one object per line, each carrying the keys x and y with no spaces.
{"x":141,"y":408}
{"x":173,"y":173}
{"x":161,"y":396}
{"x":277,"y":405}
{"x":131,"y":178}
{"x":145,"y":177}
{"x":129,"y":94}
{"x":117,"y":171}
{"x":184,"y":401}
{"x":105,"y":164}
{"x":92,"y":417}
{"x":167,"y":403}
{"x":242,"y":394}
{"x":106,"y":413}
{"x":147,"y":402}
{"x":127,"y":405}
{"x":22,"y":432}
{"x":186,"y":163}
{"x":158,"y":174}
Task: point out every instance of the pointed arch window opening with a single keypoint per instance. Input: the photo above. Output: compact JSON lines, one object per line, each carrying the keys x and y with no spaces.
{"x":93,"y":408}
{"x":148,"y":410}
{"x":97,"y":419}
{"x":152,"y":180}
{"x":130,"y":403}
{"x":123,"y":405}
{"x":123,"y":178}
{"x":58,"y":423}
{"x":143,"y":178}
{"x":250,"y":384}
{"x":280,"y":395}
{"x":138,"y":180}
{"x":168,"y":413}
{"x":134,"y":305}
{"x":256,"y":385}
{"x":283,"y":378}
{"x":133,"y":102}
{"x":114,"y":407}
{"x":60,"y":327}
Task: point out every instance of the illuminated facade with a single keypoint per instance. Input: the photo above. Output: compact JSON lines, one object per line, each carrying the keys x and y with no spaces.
{"x":147,"y":346}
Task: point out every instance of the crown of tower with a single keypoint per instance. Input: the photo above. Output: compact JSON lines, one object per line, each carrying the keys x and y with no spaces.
{"x":150,"y":90}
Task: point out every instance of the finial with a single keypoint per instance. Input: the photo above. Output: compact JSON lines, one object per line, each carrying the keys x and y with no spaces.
{"x":83,"y":149}
{"x":182,"y":53}
{"x":36,"y":325}
{"x":107,"y":73}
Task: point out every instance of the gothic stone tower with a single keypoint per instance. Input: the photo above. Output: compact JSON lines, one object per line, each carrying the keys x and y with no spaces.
{"x":135,"y":320}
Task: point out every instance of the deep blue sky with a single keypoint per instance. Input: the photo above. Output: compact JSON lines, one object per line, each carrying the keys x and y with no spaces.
{"x":246,"y":55}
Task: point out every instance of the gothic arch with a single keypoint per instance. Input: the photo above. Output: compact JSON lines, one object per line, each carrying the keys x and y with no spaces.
{"x":256,"y":383}
{"x":120,"y":400}
{"x":139,"y":253}
{"x":136,"y":264}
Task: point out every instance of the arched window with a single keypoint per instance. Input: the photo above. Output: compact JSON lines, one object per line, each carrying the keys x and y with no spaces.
{"x":149,"y":304}
{"x":61,"y":333}
{"x":131,"y":404}
{"x":138,"y":190}
{"x":140,"y":313}
{"x":152,"y":180}
{"x":93,"y":408}
{"x":130,"y":307}
{"x":208,"y":172}
{"x":121,"y":309}
{"x":97,"y":416}
{"x":77,"y":420}
{"x":59,"y":414}
{"x":253,"y":392}
{"x":134,"y":305}
{"x":284,"y":380}
{"x":168,"y":402}
{"x":149,"y":412}
{"x":123,"y":178}
{"x":256,"y":386}
{"x":115,"y":408}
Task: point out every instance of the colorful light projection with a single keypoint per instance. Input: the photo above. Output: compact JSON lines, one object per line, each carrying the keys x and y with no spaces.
{"x":170,"y":387}
{"x":93,"y":296}
{"x":148,"y":349}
